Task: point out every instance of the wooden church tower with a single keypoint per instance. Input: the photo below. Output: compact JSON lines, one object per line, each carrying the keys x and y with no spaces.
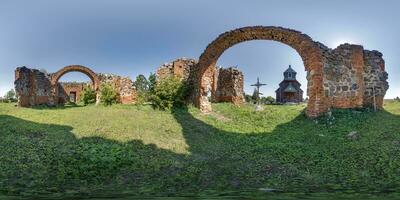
{"x":289,"y":90}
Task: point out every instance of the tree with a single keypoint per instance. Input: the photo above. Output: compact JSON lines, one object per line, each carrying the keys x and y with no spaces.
{"x":108,"y":94}
{"x":141,"y":84}
{"x":255,"y":97}
{"x":152,"y":82}
{"x":142,"y":88}
{"x":169,"y":93}
{"x":88,"y":95}
{"x":267,"y":100}
{"x":10,"y":96}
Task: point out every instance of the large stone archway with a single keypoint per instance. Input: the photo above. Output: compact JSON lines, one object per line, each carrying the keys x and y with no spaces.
{"x":73,"y":68}
{"x":308,"y":49}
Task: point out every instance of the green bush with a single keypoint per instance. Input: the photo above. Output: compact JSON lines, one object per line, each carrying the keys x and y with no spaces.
{"x":108,"y":94}
{"x":267,"y":100}
{"x":168,"y":93}
{"x":88,"y":95}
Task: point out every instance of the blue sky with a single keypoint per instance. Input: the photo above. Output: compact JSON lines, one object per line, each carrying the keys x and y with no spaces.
{"x":131,"y":37}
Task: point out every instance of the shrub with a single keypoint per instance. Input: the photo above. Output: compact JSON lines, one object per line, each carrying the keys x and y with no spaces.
{"x":267,"y":100}
{"x":169,"y":93}
{"x":108,"y":94}
{"x":88,"y":95}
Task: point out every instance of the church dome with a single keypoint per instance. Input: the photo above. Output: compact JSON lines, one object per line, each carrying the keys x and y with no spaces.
{"x":290,"y":70}
{"x":290,"y":74}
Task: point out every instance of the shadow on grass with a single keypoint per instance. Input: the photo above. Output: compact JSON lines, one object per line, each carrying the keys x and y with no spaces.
{"x":301,"y":155}
{"x":57,"y":107}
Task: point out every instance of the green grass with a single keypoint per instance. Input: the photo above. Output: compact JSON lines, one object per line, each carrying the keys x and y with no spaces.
{"x":77,"y":150}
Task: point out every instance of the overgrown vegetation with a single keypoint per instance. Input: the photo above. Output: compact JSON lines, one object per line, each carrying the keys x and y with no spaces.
{"x":254,"y":99}
{"x":138,"y":150}
{"x":108,"y":94}
{"x":144,"y":88}
{"x":168,"y":93}
{"x":88,"y":95}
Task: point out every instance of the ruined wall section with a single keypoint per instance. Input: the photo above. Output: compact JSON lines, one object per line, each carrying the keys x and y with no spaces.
{"x":375,"y":78}
{"x":181,"y":67}
{"x":32,"y":87}
{"x":350,"y":73}
{"x":124,"y":86}
{"x":64,"y":89}
{"x":230,"y":86}
{"x":227,"y":83}
{"x":343,"y":76}
{"x":184,"y":68}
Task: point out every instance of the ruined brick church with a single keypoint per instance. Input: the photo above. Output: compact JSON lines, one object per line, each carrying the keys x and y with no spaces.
{"x":289,"y":90}
{"x":347,"y":76}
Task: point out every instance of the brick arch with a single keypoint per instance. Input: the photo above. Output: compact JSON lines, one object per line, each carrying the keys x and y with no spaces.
{"x":308,"y":50}
{"x":74,"y":68}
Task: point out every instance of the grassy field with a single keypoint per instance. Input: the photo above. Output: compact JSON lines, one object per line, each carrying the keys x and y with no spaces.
{"x":138,"y":150}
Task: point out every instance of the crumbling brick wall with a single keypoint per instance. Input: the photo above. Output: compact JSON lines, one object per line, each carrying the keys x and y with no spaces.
{"x":375,"y":78}
{"x":34,"y":87}
{"x":345,"y":77}
{"x":227,"y":82}
{"x":184,"y":68}
{"x":353,"y":76}
{"x":180,"y":67}
{"x":229,"y":86}
{"x":65,"y":88}
{"x":124,"y":86}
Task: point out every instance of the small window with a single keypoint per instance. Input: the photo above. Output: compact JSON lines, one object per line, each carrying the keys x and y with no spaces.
{"x":290,"y":75}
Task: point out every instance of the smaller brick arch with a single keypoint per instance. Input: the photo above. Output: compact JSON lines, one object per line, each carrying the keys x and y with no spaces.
{"x":74,"y":68}
{"x":308,"y":50}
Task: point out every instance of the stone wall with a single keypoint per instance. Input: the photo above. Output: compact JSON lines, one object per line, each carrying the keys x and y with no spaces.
{"x":227,"y":83}
{"x":123,"y":85}
{"x":65,"y":88}
{"x":184,"y":68}
{"x":229,"y":86}
{"x":180,"y":67}
{"x":352,"y":75}
{"x":375,"y":78}
{"x":34,"y":87}
{"x":345,"y":77}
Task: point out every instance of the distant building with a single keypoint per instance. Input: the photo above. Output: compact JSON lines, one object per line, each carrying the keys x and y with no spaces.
{"x":289,"y":90}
